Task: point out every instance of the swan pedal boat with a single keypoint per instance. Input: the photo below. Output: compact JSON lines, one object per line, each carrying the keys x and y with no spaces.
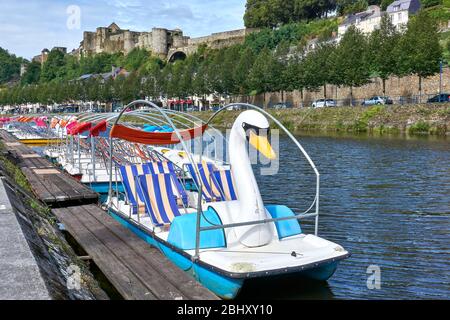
{"x":236,"y":237}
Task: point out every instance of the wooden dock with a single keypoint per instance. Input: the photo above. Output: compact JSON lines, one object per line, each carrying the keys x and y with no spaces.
{"x":137,"y":270}
{"x":52,"y":186}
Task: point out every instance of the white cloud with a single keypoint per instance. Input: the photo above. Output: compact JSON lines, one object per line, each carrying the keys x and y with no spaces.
{"x":29,"y":26}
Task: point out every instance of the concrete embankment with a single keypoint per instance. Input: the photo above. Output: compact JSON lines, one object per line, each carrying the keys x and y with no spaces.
{"x":431,"y":119}
{"x":20,"y":278}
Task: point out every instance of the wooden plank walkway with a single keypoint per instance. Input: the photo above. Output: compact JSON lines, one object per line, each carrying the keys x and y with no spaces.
{"x":51,"y":185}
{"x":136,"y":269}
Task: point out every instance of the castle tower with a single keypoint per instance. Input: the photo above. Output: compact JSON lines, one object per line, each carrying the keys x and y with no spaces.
{"x":160,"y":41}
{"x":44,"y":56}
{"x":128,"y":43}
{"x":177,"y":38}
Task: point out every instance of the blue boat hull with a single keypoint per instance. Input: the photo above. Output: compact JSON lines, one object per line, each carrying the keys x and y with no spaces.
{"x":223,"y":286}
{"x":102,"y":188}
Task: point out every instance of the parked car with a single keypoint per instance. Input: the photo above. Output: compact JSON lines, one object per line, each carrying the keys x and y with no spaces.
{"x":443,"y":97}
{"x":282,"y":105}
{"x":234,"y":107}
{"x":320,"y":103}
{"x":377,"y":100}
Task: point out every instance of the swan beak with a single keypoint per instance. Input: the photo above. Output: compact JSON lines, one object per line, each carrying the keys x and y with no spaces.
{"x":261,"y":144}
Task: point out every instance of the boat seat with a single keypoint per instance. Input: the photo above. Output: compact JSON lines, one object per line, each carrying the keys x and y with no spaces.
{"x":159,"y":194}
{"x":225,"y":182}
{"x":129,"y":174}
{"x":157,"y":167}
{"x":182,"y":232}
{"x":210,"y":187}
{"x":285,"y":228}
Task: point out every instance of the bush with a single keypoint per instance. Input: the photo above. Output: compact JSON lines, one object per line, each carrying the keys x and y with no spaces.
{"x":420,"y":127}
{"x":430,"y":3}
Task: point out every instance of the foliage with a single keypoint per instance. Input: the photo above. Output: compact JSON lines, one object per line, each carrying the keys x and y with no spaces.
{"x":440,"y":13}
{"x":382,"y":50}
{"x":420,"y":47}
{"x":351,"y":59}
{"x":292,"y":33}
{"x":430,"y":3}
{"x":384,"y":4}
{"x":273,"y":13}
{"x":32,"y":73}
{"x":420,"y":127}
{"x":353,"y":6}
{"x":53,"y":68}
{"x":9,"y":66}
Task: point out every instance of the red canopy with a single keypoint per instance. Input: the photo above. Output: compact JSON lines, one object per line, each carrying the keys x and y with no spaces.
{"x":40,"y":122}
{"x":82,"y":127}
{"x":70,"y":126}
{"x":99,"y":127}
{"x":154,"y":138}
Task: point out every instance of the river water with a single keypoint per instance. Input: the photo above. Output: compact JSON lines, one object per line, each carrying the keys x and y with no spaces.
{"x":386,"y":200}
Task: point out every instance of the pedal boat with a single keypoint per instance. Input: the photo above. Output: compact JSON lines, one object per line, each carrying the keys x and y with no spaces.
{"x":220,"y":231}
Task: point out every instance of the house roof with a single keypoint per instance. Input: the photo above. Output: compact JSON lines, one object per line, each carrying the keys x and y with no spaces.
{"x":371,"y":12}
{"x":105,"y":76}
{"x":114,"y":26}
{"x":86,"y":76}
{"x":401,"y":5}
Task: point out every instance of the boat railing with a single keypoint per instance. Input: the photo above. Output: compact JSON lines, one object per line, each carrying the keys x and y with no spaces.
{"x":305,"y":214}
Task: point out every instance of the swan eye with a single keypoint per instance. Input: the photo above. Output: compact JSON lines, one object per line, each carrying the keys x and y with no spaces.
{"x":256,"y":130}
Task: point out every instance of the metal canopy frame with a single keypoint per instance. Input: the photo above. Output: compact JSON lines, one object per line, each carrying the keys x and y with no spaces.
{"x":165,"y":116}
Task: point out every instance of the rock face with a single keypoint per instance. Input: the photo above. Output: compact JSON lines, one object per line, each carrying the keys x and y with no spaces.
{"x":168,"y":44}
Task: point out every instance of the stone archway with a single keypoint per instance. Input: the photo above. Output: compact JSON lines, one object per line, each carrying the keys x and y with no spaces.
{"x":177,"y":55}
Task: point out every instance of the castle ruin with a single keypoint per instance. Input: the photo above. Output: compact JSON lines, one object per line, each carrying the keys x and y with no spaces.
{"x":167,"y":44}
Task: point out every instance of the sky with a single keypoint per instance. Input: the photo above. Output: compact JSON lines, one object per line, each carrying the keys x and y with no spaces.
{"x":28,"y":26}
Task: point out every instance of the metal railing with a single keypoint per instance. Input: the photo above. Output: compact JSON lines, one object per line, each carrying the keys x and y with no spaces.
{"x":303,"y":215}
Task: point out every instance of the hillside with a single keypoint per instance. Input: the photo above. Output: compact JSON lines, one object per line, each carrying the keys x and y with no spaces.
{"x":407,"y":119}
{"x":9,"y":66}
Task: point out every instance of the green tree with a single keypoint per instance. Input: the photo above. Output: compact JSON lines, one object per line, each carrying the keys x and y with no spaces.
{"x":351,"y":60}
{"x":319,"y":67}
{"x":272,"y":13}
{"x":258,"y":14}
{"x":419,"y":49}
{"x":9,"y":66}
{"x":384,"y":4}
{"x":382,"y":50}
{"x":352,"y":6}
{"x":54,"y":66}
{"x":265,"y":73}
{"x":243,"y":67}
{"x":32,"y":74}
{"x":430,"y":3}
{"x":136,"y":59}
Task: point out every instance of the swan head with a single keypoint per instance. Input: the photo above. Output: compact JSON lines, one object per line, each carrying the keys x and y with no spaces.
{"x":254,"y":127}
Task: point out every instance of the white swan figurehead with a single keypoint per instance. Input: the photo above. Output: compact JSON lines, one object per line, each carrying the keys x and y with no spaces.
{"x":251,"y":126}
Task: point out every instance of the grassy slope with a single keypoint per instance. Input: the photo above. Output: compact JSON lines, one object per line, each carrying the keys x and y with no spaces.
{"x":412,"y":119}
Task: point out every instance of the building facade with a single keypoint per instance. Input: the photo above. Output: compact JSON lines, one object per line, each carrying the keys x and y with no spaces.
{"x":399,"y":11}
{"x":367,"y":21}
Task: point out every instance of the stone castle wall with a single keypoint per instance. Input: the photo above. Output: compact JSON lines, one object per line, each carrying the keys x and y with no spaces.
{"x":162,"y":42}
